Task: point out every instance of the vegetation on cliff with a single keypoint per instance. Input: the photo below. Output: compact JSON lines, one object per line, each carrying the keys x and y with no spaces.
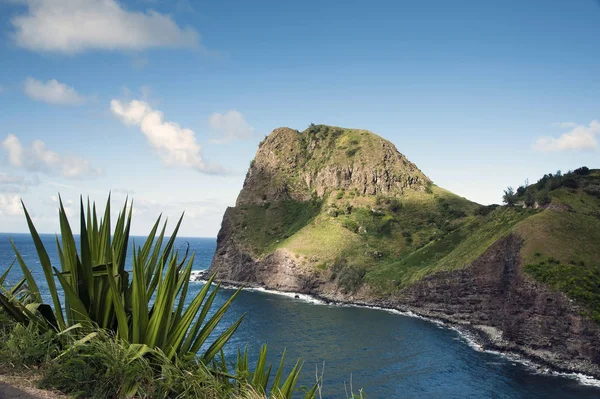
{"x":352,"y":210}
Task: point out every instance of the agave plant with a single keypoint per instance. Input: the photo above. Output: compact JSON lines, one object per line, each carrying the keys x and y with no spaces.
{"x":145,"y":306}
{"x":258,"y":378}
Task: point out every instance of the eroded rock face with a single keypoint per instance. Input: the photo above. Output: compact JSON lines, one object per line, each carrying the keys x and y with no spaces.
{"x":525,"y":315}
{"x":294,"y":165}
{"x":277,"y":270}
{"x":493,"y":298}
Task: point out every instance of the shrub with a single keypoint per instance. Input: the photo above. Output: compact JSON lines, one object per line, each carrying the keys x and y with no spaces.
{"x":350,"y":278}
{"x":570,"y":182}
{"x":348,"y":208}
{"x":395,"y":205}
{"x":104,"y":367}
{"x":350,"y":225}
{"x":583,"y":171}
{"x":337,"y":266}
{"x":509,"y":197}
{"x":529,"y":199}
{"x":26,"y":346}
{"x":351,"y":151}
{"x":485,"y":210}
{"x":543,"y":197}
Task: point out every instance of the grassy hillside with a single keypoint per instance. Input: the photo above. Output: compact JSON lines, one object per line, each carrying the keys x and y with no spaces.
{"x":562,"y":244}
{"x":382,"y":231}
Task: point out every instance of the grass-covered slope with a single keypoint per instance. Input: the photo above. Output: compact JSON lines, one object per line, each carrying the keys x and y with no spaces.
{"x":562,"y":243}
{"x":353,"y":210}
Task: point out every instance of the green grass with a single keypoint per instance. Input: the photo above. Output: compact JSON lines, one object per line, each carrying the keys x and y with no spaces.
{"x":562,"y":250}
{"x":392,"y":240}
{"x":453,"y":250}
{"x":259,"y":228}
{"x":578,"y":281}
{"x":322,"y":240}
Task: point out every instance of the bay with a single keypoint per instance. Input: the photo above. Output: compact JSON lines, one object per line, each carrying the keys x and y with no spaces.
{"x":388,"y":355}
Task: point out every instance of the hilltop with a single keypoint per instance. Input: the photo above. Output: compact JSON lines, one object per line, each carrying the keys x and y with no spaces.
{"x":340,"y":213}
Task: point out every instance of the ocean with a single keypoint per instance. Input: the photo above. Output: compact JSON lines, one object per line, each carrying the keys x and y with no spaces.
{"x":387,"y":354}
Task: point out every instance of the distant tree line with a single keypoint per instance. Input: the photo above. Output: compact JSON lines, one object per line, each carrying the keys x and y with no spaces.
{"x":540,"y":191}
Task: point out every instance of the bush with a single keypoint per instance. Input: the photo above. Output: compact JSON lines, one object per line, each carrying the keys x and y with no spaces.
{"x":484,"y":210}
{"x":338,"y":265}
{"x":351,"y":151}
{"x":395,"y":205}
{"x":26,"y":346}
{"x":583,"y":171}
{"x":529,"y":199}
{"x":543,"y":197}
{"x":350,"y":278}
{"x":570,"y":182}
{"x":104,"y":367}
{"x":350,"y":225}
{"x":509,"y":197}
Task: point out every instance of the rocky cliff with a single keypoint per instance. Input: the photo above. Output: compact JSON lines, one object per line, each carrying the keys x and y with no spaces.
{"x":341,"y":214}
{"x":293,"y":165}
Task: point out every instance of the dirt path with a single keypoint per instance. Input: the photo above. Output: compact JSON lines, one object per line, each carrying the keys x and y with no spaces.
{"x":12,"y":387}
{"x":8,"y":391}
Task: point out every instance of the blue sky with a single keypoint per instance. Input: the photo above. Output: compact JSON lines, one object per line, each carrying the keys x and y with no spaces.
{"x":166,"y":101}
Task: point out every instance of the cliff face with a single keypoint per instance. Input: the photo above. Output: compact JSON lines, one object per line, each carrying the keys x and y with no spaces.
{"x":341,"y":214}
{"x":293,"y":165}
{"x":497,"y":298}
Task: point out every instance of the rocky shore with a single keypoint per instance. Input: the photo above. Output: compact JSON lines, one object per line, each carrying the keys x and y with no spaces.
{"x":492,"y":301}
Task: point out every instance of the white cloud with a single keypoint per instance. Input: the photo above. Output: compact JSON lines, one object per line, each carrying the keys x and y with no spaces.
{"x":73,"y":26}
{"x":12,"y":145}
{"x":230,"y":126}
{"x":175,"y":145}
{"x":10,"y":205}
{"x":52,"y":92}
{"x":38,"y":157}
{"x":580,"y":137}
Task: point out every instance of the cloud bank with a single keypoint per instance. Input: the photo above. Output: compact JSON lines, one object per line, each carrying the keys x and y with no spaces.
{"x":74,"y":26}
{"x":175,"y":145}
{"x":579,"y":137}
{"x":39,"y":158}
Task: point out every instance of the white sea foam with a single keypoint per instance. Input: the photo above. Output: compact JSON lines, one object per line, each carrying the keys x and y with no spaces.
{"x":465,"y":336}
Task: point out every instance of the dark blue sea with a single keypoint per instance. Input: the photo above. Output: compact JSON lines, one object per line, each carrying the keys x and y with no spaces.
{"x":388,"y":355}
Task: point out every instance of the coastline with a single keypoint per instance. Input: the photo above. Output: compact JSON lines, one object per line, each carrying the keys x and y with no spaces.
{"x":478,"y":337}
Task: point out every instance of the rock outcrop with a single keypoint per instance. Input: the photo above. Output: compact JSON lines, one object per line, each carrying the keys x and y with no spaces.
{"x":294,"y":165}
{"x":496,"y":297}
{"x":322,"y":208}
